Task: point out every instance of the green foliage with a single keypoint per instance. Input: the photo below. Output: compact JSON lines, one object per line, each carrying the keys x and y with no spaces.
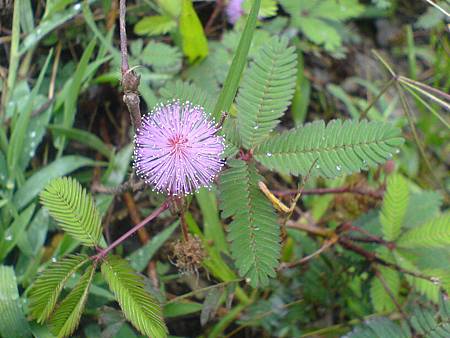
{"x":67,"y":316}
{"x":380,"y":297}
{"x":395,"y":203}
{"x":426,"y":322}
{"x":435,"y":233}
{"x":162,"y":57}
{"x":319,"y":19}
{"x":268,"y":7}
{"x":155,"y":25}
{"x":231,"y":83}
{"x":422,"y":207}
{"x":428,"y":288}
{"x":48,"y":286}
{"x":266,"y":91}
{"x":195,"y":44}
{"x":185,"y":91}
{"x":380,"y":327}
{"x":12,"y":318}
{"x":338,"y":148}
{"x":254,"y":233}
{"x":73,"y":209}
{"x":138,"y":306}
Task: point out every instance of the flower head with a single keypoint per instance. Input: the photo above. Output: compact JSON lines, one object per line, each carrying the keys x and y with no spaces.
{"x":177,"y":149}
{"x":234,"y":10}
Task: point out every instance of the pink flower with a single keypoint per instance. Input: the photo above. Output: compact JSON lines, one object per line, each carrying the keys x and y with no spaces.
{"x":177,"y":149}
{"x":234,"y":10}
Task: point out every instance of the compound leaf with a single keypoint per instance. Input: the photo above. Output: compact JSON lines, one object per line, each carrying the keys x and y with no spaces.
{"x":48,"y":286}
{"x":266,"y":91}
{"x":138,"y":306}
{"x":395,"y":204}
{"x":73,"y":209}
{"x":67,"y":316}
{"x":433,"y":234}
{"x":338,"y":148}
{"x":254,"y":233}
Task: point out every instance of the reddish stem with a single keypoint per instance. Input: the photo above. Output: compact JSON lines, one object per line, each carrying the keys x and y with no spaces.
{"x":138,"y":226}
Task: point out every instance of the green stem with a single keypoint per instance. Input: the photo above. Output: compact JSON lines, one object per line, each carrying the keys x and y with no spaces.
{"x":14,"y":57}
{"x":226,"y":321}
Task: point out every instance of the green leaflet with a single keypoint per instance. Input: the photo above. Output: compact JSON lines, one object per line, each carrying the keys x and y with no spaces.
{"x":67,"y":316}
{"x":138,"y":306}
{"x":395,"y":204}
{"x":12,"y":319}
{"x":46,"y":289}
{"x":435,"y":233}
{"x":430,"y":323}
{"x":381,"y":299}
{"x":195,"y":44}
{"x":425,"y":287}
{"x":320,"y":20}
{"x":254,"y":233}
{"x":340,"y":148}
{"x":380,"y":327}
{"x":73,"y":209}
{"x":155,"y":25}
{"x":266,"y":91}
{"x":185,"y":91}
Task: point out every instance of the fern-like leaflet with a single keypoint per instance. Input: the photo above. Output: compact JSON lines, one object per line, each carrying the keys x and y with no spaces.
{"x":433,"y":234}
{"x":138,"y":306}
{"x":254,"y":233}
{"x":46,"y":289}
{"x":68,"y":314}
{"x":73,"y":209}
{"x":395,"y":204}
{"x":339,"y":147}
{"x":381,"y":298}
{"x":266,"y":90}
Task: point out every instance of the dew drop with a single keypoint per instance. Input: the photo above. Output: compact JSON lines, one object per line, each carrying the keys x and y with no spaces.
{"x":54,"y":259}
{"x":8,"y":237}
{"x":269,"y":154}
{"x":256,"y":127}
{"x":338,"y":168}
{"x":397,"y":151}
{"x":33,"y":134}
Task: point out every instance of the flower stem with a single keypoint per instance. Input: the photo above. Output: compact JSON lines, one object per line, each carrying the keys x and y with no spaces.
{"x":164,"y":206}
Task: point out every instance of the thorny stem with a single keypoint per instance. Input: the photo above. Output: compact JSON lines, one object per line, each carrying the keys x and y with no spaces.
{"x":123,"y":36}
{"x":328,"y":243}
{"x":130,"y":80}
{"x":184,"y":226}
{"x":102,"y":253}
{"x":349,"y":245}
{"x":371,"y":257}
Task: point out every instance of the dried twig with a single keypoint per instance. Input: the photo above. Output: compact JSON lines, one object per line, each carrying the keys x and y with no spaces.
{"x":378,"y":194}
